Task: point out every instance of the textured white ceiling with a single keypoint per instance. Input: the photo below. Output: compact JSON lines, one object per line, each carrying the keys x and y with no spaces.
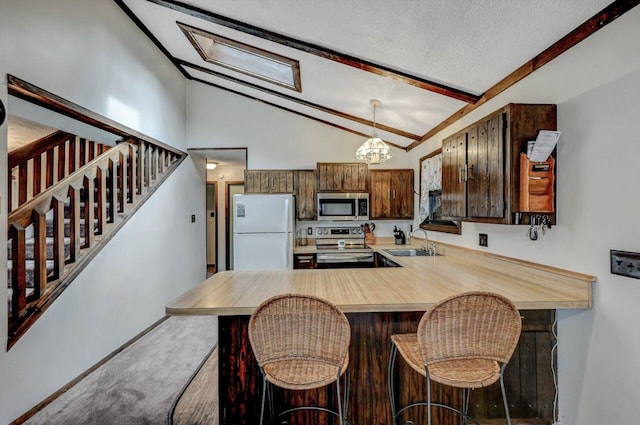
{"x":469,"y":45}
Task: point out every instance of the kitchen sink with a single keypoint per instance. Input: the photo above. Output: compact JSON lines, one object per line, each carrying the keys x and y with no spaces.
{"x":408,"y":252}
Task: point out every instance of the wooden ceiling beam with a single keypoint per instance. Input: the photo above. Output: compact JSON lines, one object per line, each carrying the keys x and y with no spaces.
{"x":595,"y":23}
{"x":320,"y":51}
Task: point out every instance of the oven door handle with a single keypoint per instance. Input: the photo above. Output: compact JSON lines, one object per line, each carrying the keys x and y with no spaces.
{"x":341,"y":258}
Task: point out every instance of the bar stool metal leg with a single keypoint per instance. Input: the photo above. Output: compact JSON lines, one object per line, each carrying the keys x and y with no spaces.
{"x":504,"y":395}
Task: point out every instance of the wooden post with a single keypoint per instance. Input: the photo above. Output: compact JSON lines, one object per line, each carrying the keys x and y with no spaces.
{"x":37,"y":175}
{"x":40,"y":252}
{"x":122,"y":182}
{"x":71,"y":153}
{"x":101,"y":199}
{"x":22,"y":183}
{"x":111,"y":200}
{"x":132,"y":168}
{"x":140,"y":167}
{"x":18,"y":271}
{"x":89,"y":234}
{"x":58,"y":237}
{"x":74,"y":223}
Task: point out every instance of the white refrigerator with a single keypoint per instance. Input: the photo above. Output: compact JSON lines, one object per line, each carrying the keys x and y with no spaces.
{"x":263,"y":232}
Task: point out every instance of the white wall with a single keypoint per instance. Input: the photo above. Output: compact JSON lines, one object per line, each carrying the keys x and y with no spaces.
{"x":596,"y":86}
{"x":276,"y":139}
{"x":92,"y":54}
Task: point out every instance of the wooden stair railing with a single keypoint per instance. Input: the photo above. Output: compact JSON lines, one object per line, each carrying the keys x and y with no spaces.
{"x":99,"y":198}
{"x":62,"y":152}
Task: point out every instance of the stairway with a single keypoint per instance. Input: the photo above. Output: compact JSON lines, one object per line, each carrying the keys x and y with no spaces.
{"x":112,"y":186}
{"x":30,"y":252}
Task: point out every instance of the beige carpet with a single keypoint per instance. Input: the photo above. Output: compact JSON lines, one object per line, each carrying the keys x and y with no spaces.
{"x":198,"y":404}
{"x":139,"y":385}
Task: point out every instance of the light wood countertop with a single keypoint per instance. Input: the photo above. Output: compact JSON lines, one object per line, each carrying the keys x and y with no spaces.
{"x":416,"y":286}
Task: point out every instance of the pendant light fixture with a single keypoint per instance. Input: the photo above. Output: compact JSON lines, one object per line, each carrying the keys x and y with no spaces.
{"x":374,"y":150}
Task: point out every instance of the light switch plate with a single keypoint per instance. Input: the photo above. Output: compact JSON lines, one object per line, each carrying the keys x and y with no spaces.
{"x":625,"y":263}
{"x":483,"y":239}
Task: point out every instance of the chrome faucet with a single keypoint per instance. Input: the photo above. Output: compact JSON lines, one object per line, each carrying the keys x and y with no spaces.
{"x":426,"y":239}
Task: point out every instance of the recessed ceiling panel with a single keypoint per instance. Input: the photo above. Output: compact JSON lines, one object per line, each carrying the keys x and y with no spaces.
{"x":244,"y":58}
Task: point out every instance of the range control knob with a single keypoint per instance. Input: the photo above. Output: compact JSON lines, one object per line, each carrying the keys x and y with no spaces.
{"x":359,"y":231}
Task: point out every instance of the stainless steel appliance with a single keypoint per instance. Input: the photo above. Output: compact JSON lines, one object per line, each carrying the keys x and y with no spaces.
{"x":343,"y":206}
{"x":342,"y":247}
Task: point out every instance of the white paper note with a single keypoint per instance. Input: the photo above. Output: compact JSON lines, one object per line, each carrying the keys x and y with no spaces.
{"x":545,"y":143}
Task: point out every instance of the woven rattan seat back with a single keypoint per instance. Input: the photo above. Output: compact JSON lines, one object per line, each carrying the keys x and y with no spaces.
{"x":464,"y":341}
{"x":294,"y":326}
{"x":301,"y":342}
{"x":470,"y":325}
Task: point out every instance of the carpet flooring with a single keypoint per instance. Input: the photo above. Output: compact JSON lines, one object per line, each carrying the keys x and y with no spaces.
{"x":140,"y":384}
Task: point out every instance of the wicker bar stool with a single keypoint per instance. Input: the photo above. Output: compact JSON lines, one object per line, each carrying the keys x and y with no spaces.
{"x":464,"y":341}
{"x":301,"y":342}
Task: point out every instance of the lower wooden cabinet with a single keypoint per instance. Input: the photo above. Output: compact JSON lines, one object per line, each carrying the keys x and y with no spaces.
{"x":304,"y":261}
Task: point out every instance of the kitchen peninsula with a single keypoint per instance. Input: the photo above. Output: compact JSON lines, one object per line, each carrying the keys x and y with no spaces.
{"x":382,"y":301}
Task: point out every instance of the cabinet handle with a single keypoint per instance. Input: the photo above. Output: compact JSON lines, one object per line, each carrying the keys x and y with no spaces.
{"x":389,"y":194}
{"x":466,"y":172}
{"x":394,"y":194}
{"x":460,"y":174}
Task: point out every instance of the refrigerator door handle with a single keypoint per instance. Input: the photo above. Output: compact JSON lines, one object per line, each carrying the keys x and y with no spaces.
{"x":286,"y":224}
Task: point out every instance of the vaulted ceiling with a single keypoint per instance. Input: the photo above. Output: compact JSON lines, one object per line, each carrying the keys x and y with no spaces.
{"x":425,"y":60}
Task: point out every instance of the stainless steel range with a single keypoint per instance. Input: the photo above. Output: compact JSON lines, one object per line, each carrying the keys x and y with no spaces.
{"x":342,"y":247}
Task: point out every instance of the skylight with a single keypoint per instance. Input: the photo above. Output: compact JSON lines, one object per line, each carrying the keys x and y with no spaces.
{"x":244,"y":58}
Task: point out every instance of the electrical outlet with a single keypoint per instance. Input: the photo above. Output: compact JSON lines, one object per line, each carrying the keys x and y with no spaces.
{"x":483,"y":239}
{"x":625,"y":263}
{"x":193,"y":218}
{"x":309,"y":230}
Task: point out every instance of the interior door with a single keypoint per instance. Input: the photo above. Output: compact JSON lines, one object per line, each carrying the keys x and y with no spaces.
{"x":211,"y":225}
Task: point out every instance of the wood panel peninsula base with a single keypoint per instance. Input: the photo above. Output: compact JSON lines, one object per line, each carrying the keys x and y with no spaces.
{"x":382,"y":301}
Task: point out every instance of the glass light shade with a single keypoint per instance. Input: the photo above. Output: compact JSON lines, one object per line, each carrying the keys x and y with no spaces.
{"x":211,"y":165}
{"x":374,"y":151}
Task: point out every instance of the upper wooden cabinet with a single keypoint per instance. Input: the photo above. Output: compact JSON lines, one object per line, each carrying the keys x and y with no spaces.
{"x":305,"y":190}
{"x":268,"y":181}
{"x":342,"y":177}
{"x":391,"y":194}
{"x":481,"y":164}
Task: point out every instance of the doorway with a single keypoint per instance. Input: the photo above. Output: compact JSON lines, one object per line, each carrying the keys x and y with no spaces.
{"x":232,"y":188}
{"x":212,"y":227}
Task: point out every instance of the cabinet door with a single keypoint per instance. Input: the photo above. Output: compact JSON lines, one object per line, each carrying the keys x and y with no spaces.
{"x":281,"y":181}
{"x":268,"y":181}
{"x":380,"y":195}
{"x":485,"y":176}
{"x":325,"y":177}
{"x":342,"y":177}
{"x":402,"y":194}
{"x":354,"y":177}
{"x":305,"y":190}
{"x":391,"y":195}
{"x":253,"y":180}
{"x":453,"y":183}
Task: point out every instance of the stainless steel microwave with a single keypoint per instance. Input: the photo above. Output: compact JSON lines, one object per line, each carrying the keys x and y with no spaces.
{"x":343,"y":206}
